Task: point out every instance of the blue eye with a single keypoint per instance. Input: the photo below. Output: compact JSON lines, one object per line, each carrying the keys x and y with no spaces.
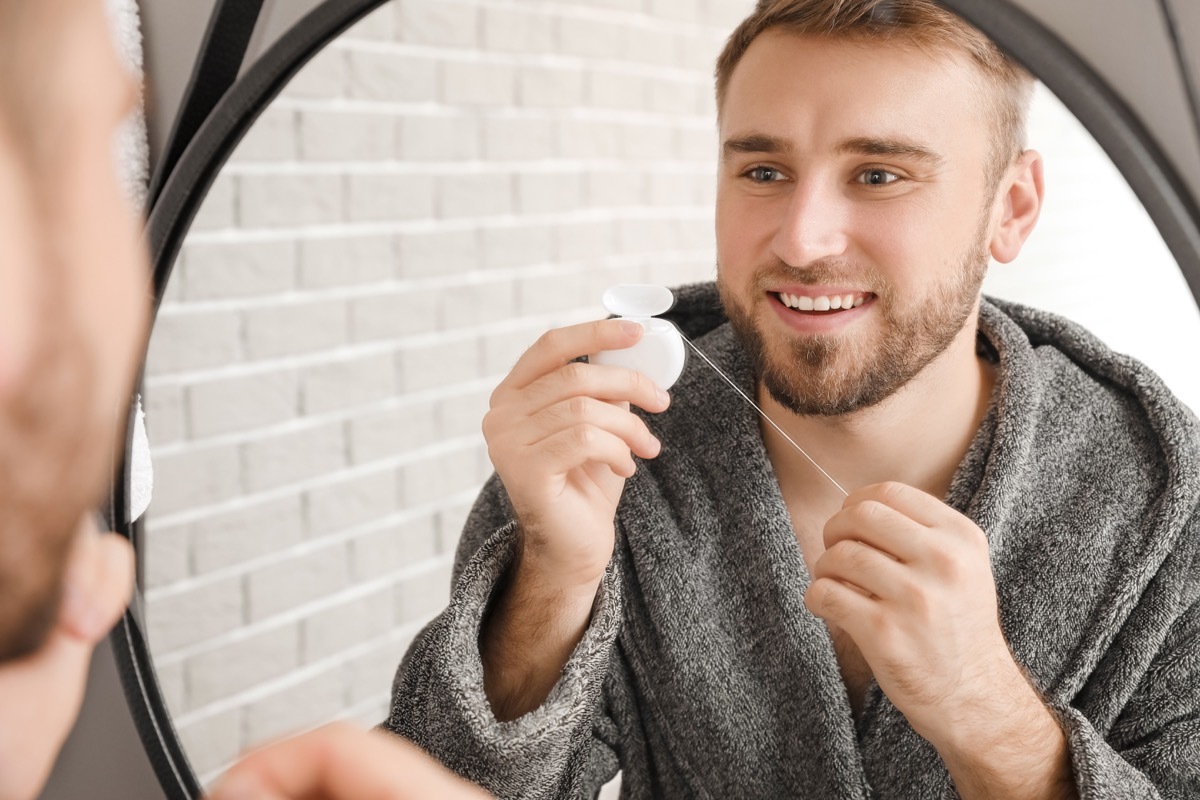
{"x":764,"y":175}
{"x":877,"y":177}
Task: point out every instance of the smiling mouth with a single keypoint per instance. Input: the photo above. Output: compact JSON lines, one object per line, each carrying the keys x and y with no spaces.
{"x":823,"y":304}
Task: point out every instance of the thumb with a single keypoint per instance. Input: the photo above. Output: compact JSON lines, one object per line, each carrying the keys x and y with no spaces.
{"x":99,"y":583}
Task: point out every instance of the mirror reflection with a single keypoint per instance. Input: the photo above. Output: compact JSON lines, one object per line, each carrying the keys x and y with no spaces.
{"x":441,"y":185}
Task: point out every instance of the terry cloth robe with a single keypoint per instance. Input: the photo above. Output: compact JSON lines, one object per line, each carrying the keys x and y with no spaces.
{"x":703,"y":675}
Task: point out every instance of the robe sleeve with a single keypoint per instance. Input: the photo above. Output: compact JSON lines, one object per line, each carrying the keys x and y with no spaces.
{"x":1153,"y":750}
{"x":438,"y":700}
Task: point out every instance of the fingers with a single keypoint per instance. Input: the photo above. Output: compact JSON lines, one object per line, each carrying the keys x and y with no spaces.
{"x":99,"y":583}
{"x":921,"y":507}
{"x":585,"y":444}
{"x":615,"y":384}
{"x":866,"y":568}
{"x":937,"y":532}
{"x":560,"y":346}
{"x":842,"y":605}
{"x":562,"y":439}
{"x":575,"y":414}
{"x":880,"y":526}
{"x":572,"y":433}
{"x":341,"y":762}
{"x":587,"y":412}
{"x":548,"y":372}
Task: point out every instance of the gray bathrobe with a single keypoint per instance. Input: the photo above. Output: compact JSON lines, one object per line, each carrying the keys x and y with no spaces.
{"x":703,"y":675}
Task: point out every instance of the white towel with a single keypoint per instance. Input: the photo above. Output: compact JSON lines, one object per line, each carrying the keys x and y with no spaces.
{"x":132,"y":145}
{"x":132,"y":152}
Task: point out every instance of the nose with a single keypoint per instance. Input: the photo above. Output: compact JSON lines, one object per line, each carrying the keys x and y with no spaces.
{"x":814,"y":225}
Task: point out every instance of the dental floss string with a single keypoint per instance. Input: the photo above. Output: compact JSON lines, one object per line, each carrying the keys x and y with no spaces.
{"x":746,"y":397}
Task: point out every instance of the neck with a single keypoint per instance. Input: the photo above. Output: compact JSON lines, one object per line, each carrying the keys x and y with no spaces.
{"x":918,"y":436}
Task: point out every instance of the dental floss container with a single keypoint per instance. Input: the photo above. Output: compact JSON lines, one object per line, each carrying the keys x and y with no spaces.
{"x":659,"y":354}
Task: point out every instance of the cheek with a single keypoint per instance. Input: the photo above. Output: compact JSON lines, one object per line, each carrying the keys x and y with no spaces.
{"x":893,"y":233}
{"x":123,"y":312}
{"x":744,"y":227}
{"x":107,"y":278}
{"x":909,"y":242}
{"x":18,"y":276}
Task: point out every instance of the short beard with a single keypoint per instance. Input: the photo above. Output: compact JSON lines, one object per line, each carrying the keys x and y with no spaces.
{"x":834,"y":375}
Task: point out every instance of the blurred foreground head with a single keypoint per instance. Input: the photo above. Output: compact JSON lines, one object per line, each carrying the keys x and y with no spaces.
{"x":74,"y":295}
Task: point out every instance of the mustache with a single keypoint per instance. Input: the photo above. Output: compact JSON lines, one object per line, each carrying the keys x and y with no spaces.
{"x":826,"y":272}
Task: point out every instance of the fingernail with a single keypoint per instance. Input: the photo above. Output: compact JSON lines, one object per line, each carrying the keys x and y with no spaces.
{"x":663,"y":397}
{"x":629,"y":327}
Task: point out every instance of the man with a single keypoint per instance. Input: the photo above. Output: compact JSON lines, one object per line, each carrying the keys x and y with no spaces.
{"x":73,"y":311}
{"x":1003,"y":606}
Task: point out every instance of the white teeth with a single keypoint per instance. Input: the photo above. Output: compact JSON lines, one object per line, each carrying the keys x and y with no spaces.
{"x":832,"y":302}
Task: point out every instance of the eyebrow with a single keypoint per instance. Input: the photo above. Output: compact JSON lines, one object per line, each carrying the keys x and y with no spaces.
{"x":891,"y":148}
{"x":754,"y":143}
{"x":862,"y":145}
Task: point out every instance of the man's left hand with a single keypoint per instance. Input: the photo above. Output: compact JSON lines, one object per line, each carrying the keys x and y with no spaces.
{"x":909,"y":580}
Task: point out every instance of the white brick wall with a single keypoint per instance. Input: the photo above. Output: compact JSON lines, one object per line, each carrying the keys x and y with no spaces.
{"x":431,"y":193}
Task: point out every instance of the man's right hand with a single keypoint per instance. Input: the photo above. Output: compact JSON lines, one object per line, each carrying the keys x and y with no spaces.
{"x":562,"y":439}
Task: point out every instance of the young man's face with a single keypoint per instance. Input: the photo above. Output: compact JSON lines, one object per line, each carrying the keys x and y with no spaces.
{"x":852,"y":175}
{"x":75,"y":280}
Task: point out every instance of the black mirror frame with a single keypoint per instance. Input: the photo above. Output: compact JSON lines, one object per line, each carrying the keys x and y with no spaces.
{"x":1115,"y":127}
{"x":1108,"y":118}
{"x":169,"y":220}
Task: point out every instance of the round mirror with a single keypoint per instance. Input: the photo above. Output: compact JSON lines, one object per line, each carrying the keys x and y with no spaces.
{"x":1097,"y":258}
{"x":438,"y":186}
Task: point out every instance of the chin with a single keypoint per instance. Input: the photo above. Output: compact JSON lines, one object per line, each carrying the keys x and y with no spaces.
{"x":35,"y":544}
{"x":27,"y":618}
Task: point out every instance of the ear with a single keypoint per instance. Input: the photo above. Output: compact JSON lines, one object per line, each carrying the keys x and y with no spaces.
{"x":1020,"y":204}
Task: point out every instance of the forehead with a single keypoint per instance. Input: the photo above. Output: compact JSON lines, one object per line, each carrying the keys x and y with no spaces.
{"x":815,"y":90}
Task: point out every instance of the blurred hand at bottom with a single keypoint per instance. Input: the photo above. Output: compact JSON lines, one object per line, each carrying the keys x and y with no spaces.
{"x":342,"y":762}
{"x":41,"y":693}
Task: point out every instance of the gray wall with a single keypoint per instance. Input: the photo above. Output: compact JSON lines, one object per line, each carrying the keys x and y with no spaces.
{"x":172,"y":32}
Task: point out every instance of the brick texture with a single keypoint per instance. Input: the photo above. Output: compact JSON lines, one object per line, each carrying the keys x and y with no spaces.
{"x":433,"y":191}
{"x":438,"y":187}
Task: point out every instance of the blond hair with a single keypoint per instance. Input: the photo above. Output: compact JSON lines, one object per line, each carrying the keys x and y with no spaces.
{"x":922,"y":24}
